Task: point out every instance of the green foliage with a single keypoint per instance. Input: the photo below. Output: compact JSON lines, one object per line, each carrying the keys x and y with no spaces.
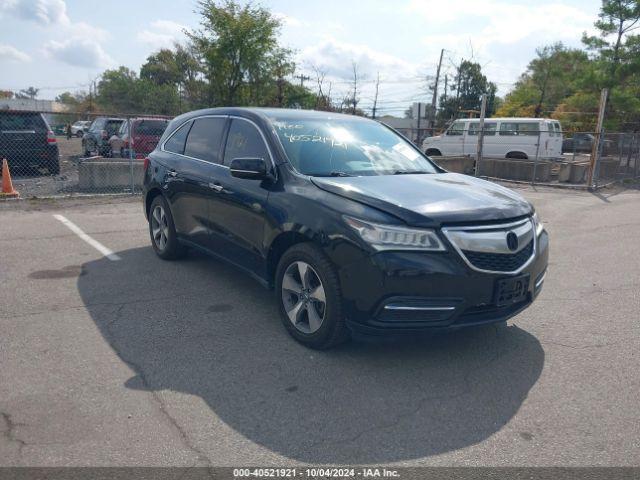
{"x":239,"y":51}
{"x":555,"y":74}
{"x":565,"y":83}
{"x":469,"y":84}
{"x":28,"y":93}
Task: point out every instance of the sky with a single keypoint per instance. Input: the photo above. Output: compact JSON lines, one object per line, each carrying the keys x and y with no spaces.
{"x":62,"y":45}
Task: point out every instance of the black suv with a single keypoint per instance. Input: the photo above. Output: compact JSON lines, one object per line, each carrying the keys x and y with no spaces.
{"x":27,"y":142}
{"x":354,"y":227}
{"x":96,"y":140}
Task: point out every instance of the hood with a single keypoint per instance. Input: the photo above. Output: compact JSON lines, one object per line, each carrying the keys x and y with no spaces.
{"x":432,"y":139}
{"x":430,"y":200}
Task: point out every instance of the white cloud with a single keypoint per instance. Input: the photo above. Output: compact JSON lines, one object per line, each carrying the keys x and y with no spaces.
{"x":497,"y":21}
{"x":336,"y":59}
{"x":79,"y":52}
{"x":502,"y":36}
{"x":7,"y":52}
{"x":44,"y":12}
{"x":288,"y":20}
{"x":162,"y":34}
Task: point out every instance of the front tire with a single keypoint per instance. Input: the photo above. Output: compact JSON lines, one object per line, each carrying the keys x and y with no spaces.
{"x":310,"y":298}
{"x":162,"y":231}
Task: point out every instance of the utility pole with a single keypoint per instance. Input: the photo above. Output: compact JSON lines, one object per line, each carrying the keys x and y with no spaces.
{"x":303,"y":78}
{"x":483,"y":109}
{"x":446,"y":81}
{"x":434,"y":99}
{"x":375,"y":98}
{"x":418,"y":127}
{"x":595,"y":151}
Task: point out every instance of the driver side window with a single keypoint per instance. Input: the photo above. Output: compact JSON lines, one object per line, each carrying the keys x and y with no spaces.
{"x":456,"y":129}
{"x":244,"y":141}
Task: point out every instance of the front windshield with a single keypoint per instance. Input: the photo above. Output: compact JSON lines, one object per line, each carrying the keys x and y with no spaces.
{"x":338,"y":146}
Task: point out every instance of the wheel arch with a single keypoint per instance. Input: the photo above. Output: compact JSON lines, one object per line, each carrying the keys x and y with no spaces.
{"x":280,"y":244}
{"x":520,"y":155}
{"x":148,"y":200}
{"x":433,"y":151}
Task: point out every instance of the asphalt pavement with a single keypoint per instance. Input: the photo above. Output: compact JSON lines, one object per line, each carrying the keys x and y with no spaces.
{"x":125,"y":359}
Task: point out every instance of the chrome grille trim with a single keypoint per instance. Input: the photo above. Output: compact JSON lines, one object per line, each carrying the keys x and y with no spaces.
{"x":492,"y":239}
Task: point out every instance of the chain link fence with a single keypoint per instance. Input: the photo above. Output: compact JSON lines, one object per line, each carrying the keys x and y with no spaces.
{"x":60,"y":154}
{"x":536,"y":156}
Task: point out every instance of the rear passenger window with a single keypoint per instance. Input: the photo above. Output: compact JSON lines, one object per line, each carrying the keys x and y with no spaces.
{"x":489,"y":129}
{"x":244,"y":141}
{"x":204,"y":139}
{"x":175,"y":144}
{"x":523,"y":128}
{"x":22,"y":122}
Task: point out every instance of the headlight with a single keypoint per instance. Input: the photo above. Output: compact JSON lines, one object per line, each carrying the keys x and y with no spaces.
{"x":537,"y":224}
{"x":391,"y":237}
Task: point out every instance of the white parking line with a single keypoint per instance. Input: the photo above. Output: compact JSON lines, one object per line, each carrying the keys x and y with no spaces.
{"x":91,"y":241}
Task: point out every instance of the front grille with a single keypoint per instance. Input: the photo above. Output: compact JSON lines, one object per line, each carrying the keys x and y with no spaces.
{"x":500,"y":262}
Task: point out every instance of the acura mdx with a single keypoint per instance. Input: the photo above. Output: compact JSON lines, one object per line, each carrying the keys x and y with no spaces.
{"x":354,"y":227}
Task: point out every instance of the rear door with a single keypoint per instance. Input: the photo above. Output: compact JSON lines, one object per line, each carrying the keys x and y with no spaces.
{"x":192,"y":173}
{"x":23,"y":138}
{"x":237,"y":215}
{"x":489,"y":139}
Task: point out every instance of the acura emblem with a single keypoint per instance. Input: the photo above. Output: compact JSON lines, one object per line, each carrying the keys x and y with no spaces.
{"x":512,"y":241}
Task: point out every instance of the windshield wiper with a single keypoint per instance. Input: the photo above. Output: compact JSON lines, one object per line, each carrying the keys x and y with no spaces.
{"x":410,"y":172}
{"x":333,"y":173}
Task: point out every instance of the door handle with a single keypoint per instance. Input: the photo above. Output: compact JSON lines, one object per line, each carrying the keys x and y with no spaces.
{"x":216,"y":186}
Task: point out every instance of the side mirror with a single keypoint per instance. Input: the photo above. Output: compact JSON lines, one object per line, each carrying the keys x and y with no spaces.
{"x":249,"y":168}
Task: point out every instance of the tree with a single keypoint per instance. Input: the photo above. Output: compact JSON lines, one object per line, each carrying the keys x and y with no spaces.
{"x":6,"y":94}
{"x":162,"y":68}
{"x":617,"y":18}
{"x":469,"y":86}
{"x":556,"y":73}
{"x":239,"y":51}
{"x":28,"y":93}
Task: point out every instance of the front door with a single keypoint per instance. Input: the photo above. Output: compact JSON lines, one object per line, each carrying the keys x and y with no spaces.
{"x":237,"y":216}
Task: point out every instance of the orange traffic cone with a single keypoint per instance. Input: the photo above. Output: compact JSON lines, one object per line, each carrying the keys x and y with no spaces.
{"x":7,"y":186}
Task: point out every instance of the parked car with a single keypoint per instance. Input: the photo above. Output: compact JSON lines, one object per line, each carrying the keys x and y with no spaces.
{"x":81,"y":126}
{"x":503,"y":138}
{"x":96,"y":139}
{"x":27,"y":142}
{"x":583,"y":143}
{"x":354,"y":227}
{"x":145,"y":134}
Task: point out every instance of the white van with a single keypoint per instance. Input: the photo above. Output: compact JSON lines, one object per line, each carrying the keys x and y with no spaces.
{"x":503,"y":138}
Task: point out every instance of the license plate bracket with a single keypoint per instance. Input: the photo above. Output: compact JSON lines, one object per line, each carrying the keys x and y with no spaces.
{"x":511,"y":290}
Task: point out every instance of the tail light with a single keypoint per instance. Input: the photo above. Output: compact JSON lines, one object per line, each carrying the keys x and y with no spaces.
{"x":145,"y":165}
{"x":51,"y":137}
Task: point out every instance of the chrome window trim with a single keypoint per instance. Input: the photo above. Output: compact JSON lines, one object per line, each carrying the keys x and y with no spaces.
{"x":235,"y":117}
{"x":497,"y":226}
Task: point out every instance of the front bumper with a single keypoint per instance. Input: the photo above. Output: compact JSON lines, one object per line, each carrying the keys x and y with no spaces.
{"x":413,"y":291}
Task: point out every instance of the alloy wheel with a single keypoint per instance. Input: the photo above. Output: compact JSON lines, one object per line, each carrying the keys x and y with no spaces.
{"x":159,"y":227}
{"x":303,"y":297}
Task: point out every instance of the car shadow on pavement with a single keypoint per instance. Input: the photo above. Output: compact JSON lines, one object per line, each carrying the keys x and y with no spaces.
{"x":201,"y":327}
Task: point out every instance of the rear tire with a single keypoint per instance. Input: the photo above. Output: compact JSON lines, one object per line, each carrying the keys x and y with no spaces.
{"x":53,"y":166}
{"x":517,"y":155}
{"x":310,"y":298}
{"x":162,"y":231}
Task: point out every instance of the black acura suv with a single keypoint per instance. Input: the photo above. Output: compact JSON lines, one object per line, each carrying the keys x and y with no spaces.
{"x":351,"y":224}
